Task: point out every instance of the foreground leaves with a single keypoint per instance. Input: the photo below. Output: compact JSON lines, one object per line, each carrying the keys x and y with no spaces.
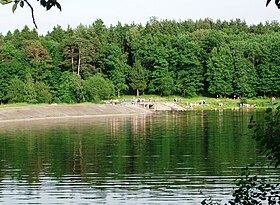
{"x":48,"y":4}
{"x":277,"y":3}
{"x":268,"y":134}
{"x":251,"y":190}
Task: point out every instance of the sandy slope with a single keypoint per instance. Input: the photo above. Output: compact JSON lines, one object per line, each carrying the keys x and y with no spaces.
{"x":68,"y":111}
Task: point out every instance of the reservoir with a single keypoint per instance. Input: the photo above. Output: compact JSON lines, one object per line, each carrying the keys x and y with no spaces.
{"x":158,"y":158}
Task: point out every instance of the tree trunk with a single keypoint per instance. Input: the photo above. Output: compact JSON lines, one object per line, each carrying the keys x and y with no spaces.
{"x":137,"y":92}
{"x":79,"y":61}
{"x":119,"y":93}
{"x":72,"y":60}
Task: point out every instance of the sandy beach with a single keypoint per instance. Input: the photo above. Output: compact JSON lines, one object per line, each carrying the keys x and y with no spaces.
{"x":67,"y":111}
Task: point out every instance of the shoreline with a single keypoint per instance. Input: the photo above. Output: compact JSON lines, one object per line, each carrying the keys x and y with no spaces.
{"x":66,"y":117}
{"x":54,"y":112}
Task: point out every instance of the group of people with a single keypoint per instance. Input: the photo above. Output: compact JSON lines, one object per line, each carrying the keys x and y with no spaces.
{"x":137,"y":101}
{"x":235,"y":97}
{"x":111,"y":102}
{"x":177,"y":100}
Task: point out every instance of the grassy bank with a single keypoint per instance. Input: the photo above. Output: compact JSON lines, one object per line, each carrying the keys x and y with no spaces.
{"x":14,"y":105}
{"x":195,"y":103}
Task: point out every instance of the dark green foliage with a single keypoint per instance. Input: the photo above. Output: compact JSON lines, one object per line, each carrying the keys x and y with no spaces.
{"x":210,"y":201}
{"x":251,"y":190}
{"x":78,"y":88}
{"x":42,"y":92}
{"x":28,"y":91}
{"x":268,"y":134}
{"x":30,"y":95}
{"x":243,"y":101}
{"x":15,"y":92}
{"x":220,"y":72}
{"x":165,"y":57}
{"x":245,"y":77}
{"x":138,"y":77}
{"x":186,"y":63}
{"x":65,"y":90}
{"x":97,"y":88}
{"x":48,"y":4}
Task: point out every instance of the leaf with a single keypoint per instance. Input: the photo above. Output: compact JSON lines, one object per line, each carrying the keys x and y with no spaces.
{"x":49,"y":5}
{"x":268,"y":1}
{"x":43,"y":3}
{"x":14,"y":7}
{"x":58,"y":5}
{"x":5,"y":1}
{"x":21,"y":4}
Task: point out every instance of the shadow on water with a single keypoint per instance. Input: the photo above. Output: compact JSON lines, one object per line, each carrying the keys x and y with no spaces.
{"x":166,"y":157}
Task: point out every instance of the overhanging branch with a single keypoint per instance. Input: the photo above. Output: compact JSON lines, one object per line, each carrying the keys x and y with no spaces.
{"x":32,"y":13}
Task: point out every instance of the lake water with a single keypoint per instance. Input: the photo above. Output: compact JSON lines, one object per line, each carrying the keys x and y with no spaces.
{"x":162,"y":158}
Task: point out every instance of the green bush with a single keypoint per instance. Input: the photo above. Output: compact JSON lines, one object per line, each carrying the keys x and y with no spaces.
{"x":15,"y":93}
{"x":98,"y":88}
{"x":42,"y":93}
{"x":243,"y":100}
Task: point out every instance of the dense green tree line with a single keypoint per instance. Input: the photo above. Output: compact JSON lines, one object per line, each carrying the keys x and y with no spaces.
{"x":95,"y":62}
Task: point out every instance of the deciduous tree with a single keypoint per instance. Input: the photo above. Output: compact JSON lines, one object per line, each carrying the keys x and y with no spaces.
{"x":220,"y":71}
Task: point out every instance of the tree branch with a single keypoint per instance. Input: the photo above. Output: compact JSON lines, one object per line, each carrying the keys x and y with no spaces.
{"x":32,"y":13}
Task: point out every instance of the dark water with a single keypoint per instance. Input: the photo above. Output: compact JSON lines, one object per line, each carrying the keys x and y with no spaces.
{"x":163,"y":158}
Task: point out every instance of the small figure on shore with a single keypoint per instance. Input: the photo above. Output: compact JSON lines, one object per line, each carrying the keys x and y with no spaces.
{"x":273,"y":99}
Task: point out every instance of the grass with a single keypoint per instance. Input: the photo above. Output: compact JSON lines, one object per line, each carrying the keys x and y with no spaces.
{"x":211,"y":103}
{"x":21,"y":105}
{"x":14,"y":105}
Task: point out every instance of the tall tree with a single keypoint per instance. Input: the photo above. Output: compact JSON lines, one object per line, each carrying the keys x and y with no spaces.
{"x":138,"y":77}
{"x":39,"y":59}
{"x":188,"y":66}
{"x":220,"y":71}
{"x":161,"y":78}
{"x":245,"y":76}
{"x":30,"y":95}
{"x":117,"y":68}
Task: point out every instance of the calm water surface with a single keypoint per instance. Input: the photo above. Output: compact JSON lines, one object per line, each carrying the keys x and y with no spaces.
{"x":163,"y":158}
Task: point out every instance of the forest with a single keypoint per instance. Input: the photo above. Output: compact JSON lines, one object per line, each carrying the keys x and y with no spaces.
{"x":163,"y":57}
